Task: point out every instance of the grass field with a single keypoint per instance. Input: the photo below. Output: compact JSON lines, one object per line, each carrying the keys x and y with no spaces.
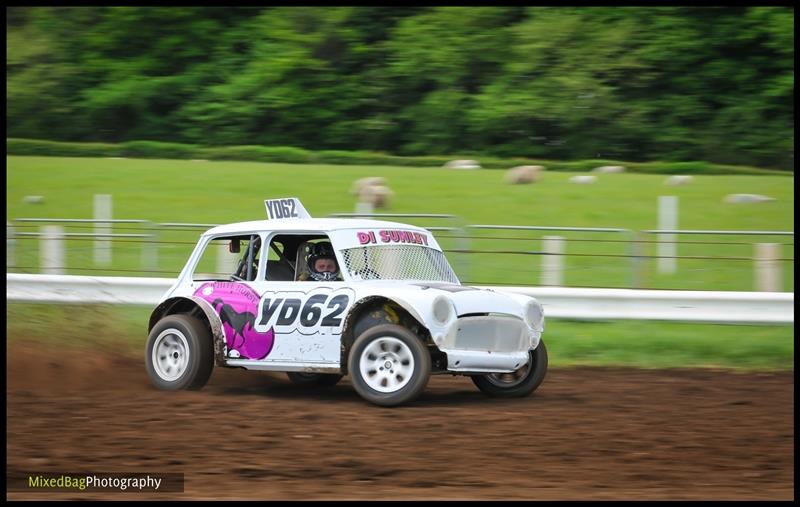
{"x":643,"y":344}
{"x":218,"y":192}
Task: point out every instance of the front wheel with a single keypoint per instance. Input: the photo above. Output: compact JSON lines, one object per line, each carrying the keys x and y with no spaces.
{"x":519,"y":383}
{"x":389,"y":365}
{"x":314,"y":379}
{"x":179,"y":353}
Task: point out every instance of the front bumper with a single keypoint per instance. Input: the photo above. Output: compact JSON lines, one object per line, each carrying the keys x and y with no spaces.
{"x":467,"y":361}
{"x":488,"y":344}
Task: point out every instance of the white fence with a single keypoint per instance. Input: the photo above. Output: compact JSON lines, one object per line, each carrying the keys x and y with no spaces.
{"x":768,"y":259}
{"x":558,"y":302}
{"x":680,"y":305}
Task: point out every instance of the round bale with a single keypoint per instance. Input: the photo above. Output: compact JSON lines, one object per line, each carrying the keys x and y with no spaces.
{"x":583,"y":179}
{"x":746,"y":198}
{"x":678,"y":179}
{"x":379,"y":196}
{"x":524,"y":174}
{"x":359,"y":185}
{"x":609,"y":169}
{"x":462,"y":164}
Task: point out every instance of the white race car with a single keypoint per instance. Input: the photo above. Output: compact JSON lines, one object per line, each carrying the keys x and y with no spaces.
{"x":389,"y":311}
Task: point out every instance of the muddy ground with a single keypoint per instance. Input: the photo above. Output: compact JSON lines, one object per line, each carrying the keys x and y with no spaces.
{"x":587,"y":433}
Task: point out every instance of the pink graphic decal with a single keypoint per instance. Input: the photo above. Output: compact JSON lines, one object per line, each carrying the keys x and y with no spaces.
{"x":237,"y":306}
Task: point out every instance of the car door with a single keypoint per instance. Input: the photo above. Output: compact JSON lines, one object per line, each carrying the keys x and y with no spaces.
{"x":292,"y":325}
{"x":227,"y":277}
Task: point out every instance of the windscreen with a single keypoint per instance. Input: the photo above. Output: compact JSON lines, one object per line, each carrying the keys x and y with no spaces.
{"x":398,"y":262}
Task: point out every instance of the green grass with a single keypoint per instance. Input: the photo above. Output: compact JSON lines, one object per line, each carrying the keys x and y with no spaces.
{"x":221,"y":192}
{"x":642,"y":344}
{"x":651,"y":344}
{"x":216,"y":192}
{"x":121,"y":329}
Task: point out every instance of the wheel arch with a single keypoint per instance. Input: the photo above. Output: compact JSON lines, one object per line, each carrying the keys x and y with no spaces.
{"x":374,"y":310}
{"x":199,"y":309}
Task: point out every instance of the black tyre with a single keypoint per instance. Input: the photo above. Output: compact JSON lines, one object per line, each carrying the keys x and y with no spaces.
{"x":179,"y":353}
{"x":389,"y":365}
{"x":519,"y":383}
{"x":314,"y":379}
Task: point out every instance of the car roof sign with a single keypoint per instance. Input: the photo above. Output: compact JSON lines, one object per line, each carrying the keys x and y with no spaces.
{"x":289,"y":207}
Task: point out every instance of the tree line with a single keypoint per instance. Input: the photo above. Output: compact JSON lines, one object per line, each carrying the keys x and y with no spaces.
{"x":622,"y":83}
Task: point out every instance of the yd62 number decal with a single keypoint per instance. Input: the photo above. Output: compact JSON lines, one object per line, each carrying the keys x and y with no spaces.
{"x":303,"y":312}
{"x":281,"y":208}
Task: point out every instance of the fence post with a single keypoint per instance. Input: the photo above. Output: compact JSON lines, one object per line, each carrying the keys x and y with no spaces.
{"x":11,"y":244}
{"x":102,"y":246}
{"x":461,"y":244}
{"x":150,"y":248}
{"x":636,"y":261}
{"x":52,"y":250}
{"x":364,"y":208}
{"x":553,"y":261}
{"x":667,"y":220}
{"x":767,"y":267}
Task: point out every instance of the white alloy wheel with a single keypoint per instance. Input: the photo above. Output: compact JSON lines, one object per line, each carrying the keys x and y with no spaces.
{"x":386,"y":364}
{"x":179,"y":353}
{"x":170,"y":354}
{"x":389,"y":365}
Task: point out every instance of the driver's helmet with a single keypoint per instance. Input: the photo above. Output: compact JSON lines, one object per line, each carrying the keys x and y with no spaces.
{"x":322,"y":250}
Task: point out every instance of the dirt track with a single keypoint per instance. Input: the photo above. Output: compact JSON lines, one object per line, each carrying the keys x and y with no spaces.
{"x":587,"y":433}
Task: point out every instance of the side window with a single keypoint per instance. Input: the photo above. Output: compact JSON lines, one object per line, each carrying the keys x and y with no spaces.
{"x":289,"y":255}
{"x":279,"y":267}
{"x":247,"y":268}
{"x":316,"y":261}
{"x":229,"y":258}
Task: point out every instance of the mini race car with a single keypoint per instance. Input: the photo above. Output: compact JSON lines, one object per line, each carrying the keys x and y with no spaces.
{"x":388,"y":311}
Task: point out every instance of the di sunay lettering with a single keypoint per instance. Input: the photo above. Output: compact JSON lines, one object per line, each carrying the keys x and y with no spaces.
{"x":403,"y":237}
{"x":365,"y":238}
{"x":388,"y":236}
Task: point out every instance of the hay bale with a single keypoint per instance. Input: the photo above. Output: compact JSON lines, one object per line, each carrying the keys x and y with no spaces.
{"x":678,"y":179}
{"x":609,"y":169}
{"x":583,"y":179}
{"x":462,"y":164}
{"x":524,"y":174}
{"x":33,"y":199}
{"x":369,"y":181}
{"x":746,"y":198}
{"x":379,"y":196}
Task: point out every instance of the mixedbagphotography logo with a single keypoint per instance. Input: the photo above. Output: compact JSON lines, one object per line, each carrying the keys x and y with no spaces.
{"x":93,"y":481}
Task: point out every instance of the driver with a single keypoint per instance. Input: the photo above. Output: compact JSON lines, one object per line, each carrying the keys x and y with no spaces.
{"x":321,"y":261}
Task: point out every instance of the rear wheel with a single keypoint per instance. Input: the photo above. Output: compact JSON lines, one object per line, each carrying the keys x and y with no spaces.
{"x":314,"y":379}
{"x":389,"y":365}
{"x":179,"y":353}
{"x":519,"y":383}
